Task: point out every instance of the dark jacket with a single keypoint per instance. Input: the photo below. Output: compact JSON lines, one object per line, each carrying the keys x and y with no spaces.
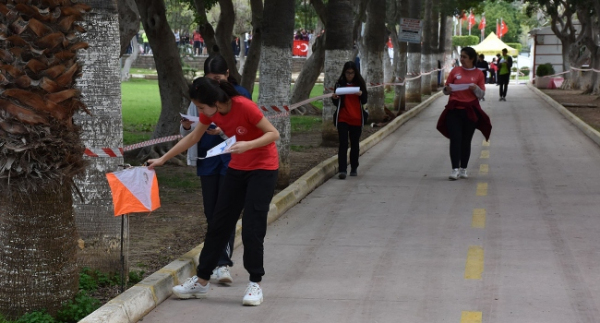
{"x":339,"y":103}
{"x":474,"y":113}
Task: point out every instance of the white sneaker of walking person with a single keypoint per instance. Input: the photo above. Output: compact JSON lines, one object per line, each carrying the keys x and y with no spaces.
{"x":462,"y":173}
{"x":454,"y":175}
{"x":223,"y":276}
{"x":191,"y":289}
{"x":253,"y":295}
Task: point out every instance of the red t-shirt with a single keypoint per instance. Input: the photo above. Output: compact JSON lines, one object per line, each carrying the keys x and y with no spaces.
{"x":351,"y":112}
{"x":241,"y":122}
{"x":461,"y":75}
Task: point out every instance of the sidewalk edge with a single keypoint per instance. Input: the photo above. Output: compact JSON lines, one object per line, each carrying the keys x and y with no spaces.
{"x":132,"y":305}
{"x":575,"y":120}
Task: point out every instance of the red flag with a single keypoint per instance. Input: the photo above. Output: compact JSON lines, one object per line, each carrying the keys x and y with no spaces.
{"x":482,"y":23}
{"x":503,"y":29}
{"x":471,"y":20}
{"x":300,"y":48}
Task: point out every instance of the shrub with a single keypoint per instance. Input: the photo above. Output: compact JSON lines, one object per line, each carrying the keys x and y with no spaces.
{"x":544,"y":69}
{"x":36,"y":317}
{"x":464,"y":41}
{"x":516,"y":46}
{"x":75,"y":310}
{"x":525,"y":70}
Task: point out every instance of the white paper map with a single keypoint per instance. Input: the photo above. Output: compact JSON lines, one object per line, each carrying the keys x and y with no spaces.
{"x":220,"y":149}
{"x":347,"y":90}
{"x":189,"y":117}
{"x":460,"y":87}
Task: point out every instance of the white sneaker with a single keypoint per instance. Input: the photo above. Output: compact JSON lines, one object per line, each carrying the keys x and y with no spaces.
{"x":191,"y":289}
{"x":462,"y":173}
{"x":253,"y":296}
{"x":213,"y":276}
{"x":223,"y":275}
{"x":454,"y":175}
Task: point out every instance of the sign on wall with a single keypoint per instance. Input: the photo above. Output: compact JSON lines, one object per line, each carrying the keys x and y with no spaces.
{"x":410,"y":30}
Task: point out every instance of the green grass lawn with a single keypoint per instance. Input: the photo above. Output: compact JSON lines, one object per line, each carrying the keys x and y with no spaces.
{"x":141,"y":109}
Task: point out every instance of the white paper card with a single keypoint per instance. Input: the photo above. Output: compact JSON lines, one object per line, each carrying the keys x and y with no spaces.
{"x":220,"y":149}
{"x":347,"y":90}
{"x":189,"y":117}
{"x":460,"y":87}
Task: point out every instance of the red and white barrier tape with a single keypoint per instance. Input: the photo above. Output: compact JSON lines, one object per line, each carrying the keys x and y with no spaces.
{"x":566,"y":72}
{"x":282,"y":112}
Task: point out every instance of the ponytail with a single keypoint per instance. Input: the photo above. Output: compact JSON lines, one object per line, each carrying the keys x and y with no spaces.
{"x":209,"y":91}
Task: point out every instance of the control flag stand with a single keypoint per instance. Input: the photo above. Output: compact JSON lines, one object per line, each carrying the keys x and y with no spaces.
{"x":134,"y":190}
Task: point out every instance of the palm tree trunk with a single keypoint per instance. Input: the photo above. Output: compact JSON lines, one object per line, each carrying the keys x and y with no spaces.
{"x":276,"y":73}
{"x":338,"y":50}
{"x":37,"y":250}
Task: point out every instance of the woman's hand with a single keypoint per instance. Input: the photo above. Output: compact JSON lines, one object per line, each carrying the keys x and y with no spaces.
{"x":240,"y":147}
{"x":359,"y":93}
{"x":187,"y":124}
{"x":151,"y":163}
{"x":334,"y":96}
{"x":473,"y":87}
{"x":215,"y":132}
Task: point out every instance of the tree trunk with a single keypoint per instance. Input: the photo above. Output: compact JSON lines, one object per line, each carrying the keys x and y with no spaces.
{"x":206,"y":29}
{"x":434,"y":43}
{"x":276,"y":73}
{"x":129,"y":22}
{"x":310,"y":73}
{"x":400,"y":61}
{"x":590,"y":29}
{"x":254,"y":53}
{"x":100,"y":85}
{"x":413,"y":69}
{"x":38,"y":247}
{"x":338,"y":50}
{"x":223,"y":36}
{"x":173,"y":86}
{"x":375,"y":40}
{"x":125,"y":76}
{"x":426,"y":50}
{"x":445,"y":32}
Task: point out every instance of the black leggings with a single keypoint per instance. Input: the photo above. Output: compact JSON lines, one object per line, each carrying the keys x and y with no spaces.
{"x":344,"y":131}
{"x":503,"y":81}
{"x":210,"y":192}
{"x":461,"y":131}
{"x":252,"y":192}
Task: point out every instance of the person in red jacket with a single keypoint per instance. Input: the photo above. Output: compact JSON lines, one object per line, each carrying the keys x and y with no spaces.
{"x":349,"y":117}
{"x":463,"y":114}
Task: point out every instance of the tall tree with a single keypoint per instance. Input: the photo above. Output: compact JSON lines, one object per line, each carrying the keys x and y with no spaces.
{"x":275,"y":74}
{"x":100,"y":85}
{"x":372,"y":58}
{"x":338,"y":50}
{"x":434,"y":42}
{"x":413,"y":88}
{"x":41,"y":153}
{"x":426,"y":49}
{"x":587,"y":12}
{"x":172,"y":85}
{"x":129,"y":22}
{"x":254,"y":53}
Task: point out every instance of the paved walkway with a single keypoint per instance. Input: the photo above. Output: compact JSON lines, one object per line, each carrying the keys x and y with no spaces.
{"x":516,"y":242}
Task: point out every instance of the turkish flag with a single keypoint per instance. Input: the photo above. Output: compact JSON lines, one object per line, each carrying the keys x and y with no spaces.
{"x":471,"y":20}
{"x":300,"y":48}
{"x":482,"y":23}
{"x":503,"y":29}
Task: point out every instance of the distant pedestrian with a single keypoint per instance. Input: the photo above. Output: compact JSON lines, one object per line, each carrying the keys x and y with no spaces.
{"x":197,"y":43}
{"x":463,"y":114}
{"x":505,"y":65}
{"x":349,"y":118}
{"x":493,"y":70}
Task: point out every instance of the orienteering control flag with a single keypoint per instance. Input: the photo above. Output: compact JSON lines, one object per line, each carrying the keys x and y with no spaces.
{"x":134,"y":190}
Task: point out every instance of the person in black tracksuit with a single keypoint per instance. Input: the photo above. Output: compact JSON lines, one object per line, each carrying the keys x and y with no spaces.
{"x":349,"y":117}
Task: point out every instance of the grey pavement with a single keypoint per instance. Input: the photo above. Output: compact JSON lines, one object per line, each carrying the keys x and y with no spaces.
{"x":516,"y":242}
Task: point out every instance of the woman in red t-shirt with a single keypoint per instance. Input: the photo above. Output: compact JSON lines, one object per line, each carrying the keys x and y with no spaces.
{"x":249,"y":183}
{"x":463,"y":114}
{"x":349,"y":117}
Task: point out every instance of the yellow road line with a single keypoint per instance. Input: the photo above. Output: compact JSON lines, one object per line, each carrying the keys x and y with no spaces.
{"x":478,"y":218}
{"x":485,"y":143}
{"x":482,"y":189}
{"x":485,"y":154}
{"x":474,"y":266}
{"x":471,"y":317}
{"x":484,"y":169}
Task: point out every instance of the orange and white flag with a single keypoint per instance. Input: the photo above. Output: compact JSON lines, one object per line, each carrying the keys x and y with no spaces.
{"x":134,"y":190}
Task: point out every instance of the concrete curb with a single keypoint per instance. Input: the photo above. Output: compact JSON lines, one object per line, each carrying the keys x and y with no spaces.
{"x":139,"y":300}
{"x":584,"y":127}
